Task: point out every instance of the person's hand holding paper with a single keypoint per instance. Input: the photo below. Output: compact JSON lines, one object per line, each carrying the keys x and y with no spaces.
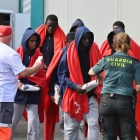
{"x":20,"y":85}
{"x":91,"y":85}
{"x":80,"y":90}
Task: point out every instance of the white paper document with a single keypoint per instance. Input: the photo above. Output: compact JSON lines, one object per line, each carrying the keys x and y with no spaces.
{"x":40,"y":58}
{"x":56,"y":94}
{"x":29,"y":88}
{"x":91,"y":85}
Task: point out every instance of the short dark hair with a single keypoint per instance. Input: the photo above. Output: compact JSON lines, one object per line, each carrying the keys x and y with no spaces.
{"x":119,"y":23}
{"x":70,"y":36}
{"x":52,"y":18}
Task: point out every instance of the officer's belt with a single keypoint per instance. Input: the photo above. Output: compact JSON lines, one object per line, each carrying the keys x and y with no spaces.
{"x":116,"y":96}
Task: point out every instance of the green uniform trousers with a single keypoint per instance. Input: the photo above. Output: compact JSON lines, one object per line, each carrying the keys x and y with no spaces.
{"x":117,"y":113}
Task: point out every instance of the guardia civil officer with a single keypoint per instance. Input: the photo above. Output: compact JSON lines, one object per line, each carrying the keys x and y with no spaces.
{"x":116,"y":107}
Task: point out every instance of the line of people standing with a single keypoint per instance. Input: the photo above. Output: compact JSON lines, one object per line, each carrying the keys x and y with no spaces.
{"x":67,"y":60}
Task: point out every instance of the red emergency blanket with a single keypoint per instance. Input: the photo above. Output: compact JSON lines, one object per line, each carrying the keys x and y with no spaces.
{"x":59,"y":37}
{"x":74,"y":103}
{"x":134,"y":48}
{"x":51,"y":109}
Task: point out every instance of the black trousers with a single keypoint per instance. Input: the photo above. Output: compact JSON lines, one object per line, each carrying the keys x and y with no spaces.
{"x":117,"y":113}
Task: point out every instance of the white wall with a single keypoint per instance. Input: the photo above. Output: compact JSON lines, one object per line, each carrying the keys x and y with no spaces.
{"x":98,"y":15}
{"x":27,"y":6}
{"x":129,"y":12}
{"x":10,"y":5}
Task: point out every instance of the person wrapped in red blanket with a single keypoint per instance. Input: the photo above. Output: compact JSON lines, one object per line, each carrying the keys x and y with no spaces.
{"x":52,"y":41}
{"x":50,"y":83}
{"x":72,"y":74}
{"x":52,"y":38}
{"x":105,"y":48}
{"x":110,"y":42}
{"x":78,"y":23}
{"x":31,"y":101}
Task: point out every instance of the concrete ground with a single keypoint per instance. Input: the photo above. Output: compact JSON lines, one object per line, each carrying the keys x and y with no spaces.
{"x":21,"y":132}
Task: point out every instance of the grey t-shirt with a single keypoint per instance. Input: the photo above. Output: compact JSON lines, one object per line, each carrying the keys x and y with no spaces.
{"x":120,"y":71}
